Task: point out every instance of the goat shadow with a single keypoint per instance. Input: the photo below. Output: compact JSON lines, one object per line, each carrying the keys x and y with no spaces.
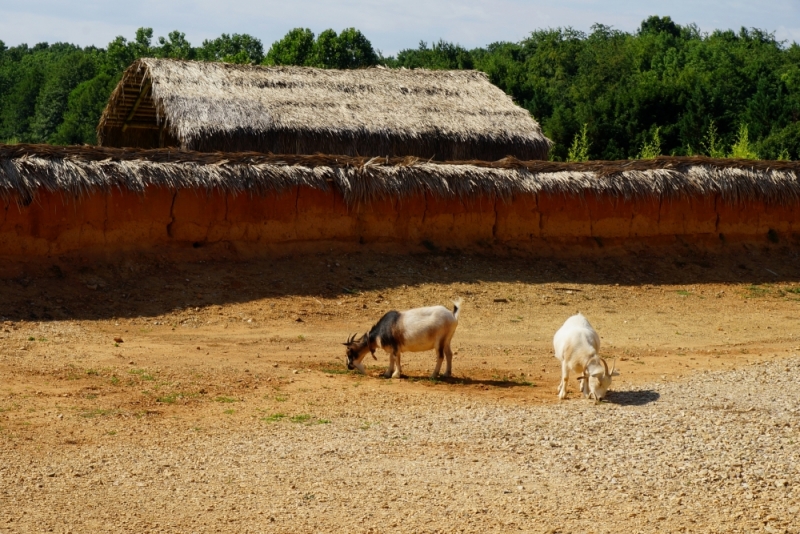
{"x":639,"y":397}
{"x":464,"y":381}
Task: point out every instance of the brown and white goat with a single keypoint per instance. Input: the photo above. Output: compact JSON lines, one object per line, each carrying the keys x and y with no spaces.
{"x":576,"y":345}
{"x":415,"y":330}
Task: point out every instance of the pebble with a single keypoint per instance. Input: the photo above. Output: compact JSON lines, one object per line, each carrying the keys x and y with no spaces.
{"x":714,"y":452}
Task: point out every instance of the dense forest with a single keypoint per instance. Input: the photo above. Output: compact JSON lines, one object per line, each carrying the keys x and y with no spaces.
{"x":608,"y":94}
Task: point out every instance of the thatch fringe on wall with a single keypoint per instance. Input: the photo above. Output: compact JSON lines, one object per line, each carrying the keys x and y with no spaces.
{"x":25,"y":169}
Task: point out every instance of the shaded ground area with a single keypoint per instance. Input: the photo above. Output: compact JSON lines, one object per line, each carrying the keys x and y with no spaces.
{"x":214,"y":397}
{"x":60,"y":289}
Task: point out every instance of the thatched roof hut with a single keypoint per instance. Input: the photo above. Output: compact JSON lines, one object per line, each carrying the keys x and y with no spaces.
{"x":26,"y":169}
{"x":446,"y":115}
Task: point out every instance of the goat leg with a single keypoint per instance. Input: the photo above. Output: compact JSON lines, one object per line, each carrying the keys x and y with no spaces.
{"x":398,"y":370}
{"x":562,"y":389}
{"x":448,"y":352}
{"x":390,"y":370}
{"x":439,"y":360}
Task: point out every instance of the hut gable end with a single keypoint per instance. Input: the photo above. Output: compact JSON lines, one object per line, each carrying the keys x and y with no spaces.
{"x":446,"y":115}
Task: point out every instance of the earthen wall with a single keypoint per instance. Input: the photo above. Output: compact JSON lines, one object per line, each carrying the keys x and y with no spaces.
{"x":121,"y":220}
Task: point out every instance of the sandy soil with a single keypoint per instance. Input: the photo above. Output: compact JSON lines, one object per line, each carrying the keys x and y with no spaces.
{"x":146,"y":395}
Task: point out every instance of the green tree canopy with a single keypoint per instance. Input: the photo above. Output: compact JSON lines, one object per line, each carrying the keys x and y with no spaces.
{"x":234,"y":48}
{"x":614,"y":91}
{"x":329,"y":50}
{"x":296,"y":48}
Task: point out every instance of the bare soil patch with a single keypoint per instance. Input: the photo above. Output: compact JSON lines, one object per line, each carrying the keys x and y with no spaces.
{"x":146,"y":395}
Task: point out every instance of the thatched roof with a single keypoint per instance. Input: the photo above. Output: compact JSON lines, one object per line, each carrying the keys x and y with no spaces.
{"x":26,"y":169}
{"x":299,"y":110}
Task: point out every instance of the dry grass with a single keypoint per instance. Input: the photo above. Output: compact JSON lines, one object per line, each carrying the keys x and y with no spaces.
{"x":300,"y":110}
{"x":24,"y":169}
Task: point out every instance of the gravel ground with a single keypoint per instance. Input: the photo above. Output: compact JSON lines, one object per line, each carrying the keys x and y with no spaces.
{"x":718,"y":452}
{"x":211,"y":397}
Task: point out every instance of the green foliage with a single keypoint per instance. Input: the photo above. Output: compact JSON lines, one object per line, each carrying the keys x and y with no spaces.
{"x":296,"y":48}
{"x":657,"y":25}
{"x":742,"y":148}
{"x":56,"y":93}
{"x":620,"y":83}
{"x":353,"y":50}
{"x":347,"y":50}
{"x":325,"y":54}
{"x":235,"y":48}
{"x":84,"y":107}
{"x":782,"y":143}
{"x":700,"y":88}
{"x":579,"y":151}
{"x":710,"y":142}
{"x":439,"y":56}
{"x":177,"y":47}
{"x":651,"y":148}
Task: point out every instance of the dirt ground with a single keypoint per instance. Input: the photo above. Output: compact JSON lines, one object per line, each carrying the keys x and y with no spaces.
{"x":148,"y":395}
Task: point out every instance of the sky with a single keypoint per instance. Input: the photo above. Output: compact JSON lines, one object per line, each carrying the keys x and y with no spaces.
{"x":391,"y":25}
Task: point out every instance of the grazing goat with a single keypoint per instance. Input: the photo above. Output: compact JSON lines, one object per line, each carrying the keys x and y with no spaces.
{"x":414,"y":330}
{"x":576,"y":345}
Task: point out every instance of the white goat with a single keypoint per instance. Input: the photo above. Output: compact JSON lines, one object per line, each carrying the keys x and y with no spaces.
{"x":414,"y":330}
{"x":576,"y":346}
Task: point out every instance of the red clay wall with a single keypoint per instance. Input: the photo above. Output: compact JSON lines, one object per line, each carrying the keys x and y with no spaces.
{"x":125,"y":221}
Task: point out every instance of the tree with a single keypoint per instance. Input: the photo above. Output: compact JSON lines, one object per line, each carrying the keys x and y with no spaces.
{"x":659,"y":25}
{"x":84,"y":107}
{"x":176,"y":47}
{"x":121,"y":53}
{"x":64,"y":75}
{"x":325,"y":54}
{"x":296,"y":48}
{"x":236,"y":48}
{"x":606,"y":88}
{"x":348,"y":50}
{"x":441,"y":55}
{"x":354,"y":50}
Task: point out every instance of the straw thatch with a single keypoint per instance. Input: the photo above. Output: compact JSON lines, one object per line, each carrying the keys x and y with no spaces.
{"x":298,"y":110}
{"x":26,"y":169}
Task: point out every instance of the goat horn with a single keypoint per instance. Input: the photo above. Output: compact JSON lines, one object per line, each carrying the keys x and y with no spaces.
{"x":606,"y":366}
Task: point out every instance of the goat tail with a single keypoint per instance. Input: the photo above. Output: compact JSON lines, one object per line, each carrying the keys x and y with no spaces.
{"x":456,"y":307}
